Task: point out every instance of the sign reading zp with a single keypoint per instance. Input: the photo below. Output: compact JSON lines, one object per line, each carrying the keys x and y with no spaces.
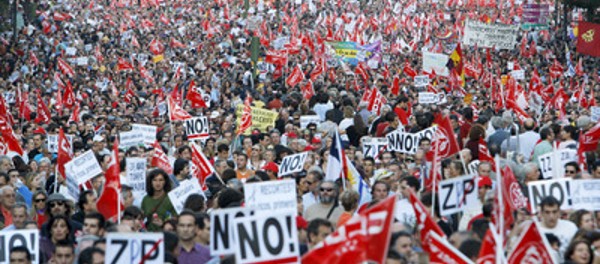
{"x":292,"y":163}
{"x":457,"y":194}
{"x":196,"y":127}
{"x":146,"y":248}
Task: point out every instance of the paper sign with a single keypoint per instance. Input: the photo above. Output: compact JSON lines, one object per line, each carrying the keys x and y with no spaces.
{"x":52,"y":142}
{"x":196,"y":127}
{"x":181,"y":193}
{"x":130,"y":138}
{"x":585,"y":194}
{"x":518,"y":74}
{"x":30,"y":238}
{"x":435,"y":62}
{"x":136,"y":176}
{"x":373,"y":146}
{"x":222,"y":241}
{"x":408,"y":143}
{"x":148,"y":132}
{"x":490,"y":35}
{"x":307,"y":119}
{"x":83,"y":167}
{"x":71,"y":51}
{"x":421,"y":80}
{"x":556,"y":160}
{"x":271,"y":196}
{"x":262,"y":119}
{"x":559,"y":188}
{"x":292,"y":164}
{"x":134,"y":247}
{"x":457,"y":194}
{"x":595,"y":113}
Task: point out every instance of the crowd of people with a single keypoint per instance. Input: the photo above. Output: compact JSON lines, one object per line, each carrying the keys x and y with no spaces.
{"x":94,"y":68}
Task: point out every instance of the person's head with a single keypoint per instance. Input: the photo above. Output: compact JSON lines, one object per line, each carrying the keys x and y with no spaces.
{"x":349,"y":200}
{"x":457,"y":238}
{"x":94,"y":224}
{"x":568,"y":132}
{"x":402,"y":242}
{"x":547,"y":134}
{"x":571,"y":169}
{"x":583,"y":219}
{"x":59,"y":228}
{"x":181,"y":168}
{"x":19,"y":255}
{"x":186,"y":226}
{"x":408,"y":183}
{"x":185,"y":152}
{"x":484,"y":169}
{"x":484,"y":184}
{"x":91,"y":255}
{"x":531,"y":171}
{"x":380,"y":190}
{"x":220,"y":166}
{"x":9,"y":197}
{"x":550,"y":211}
{"x":470,"y":248}
{"x":57,"y":204}
{"x":318,"y":229}
{"x":241,"y":161}
{"x":39,"y":199}
{"x":369,"y":166}
{"x":328,"y":192}
{"x":223,"y":151}
{"x":456,"y":169}
{"x":19,"y":215}
{"x":133,"y":217}
{"x":313,"y":179}
{"x":579,"y":252}
{"x":195,"y":203}
{"x":157,"y":180}
{"x":64,"y":252}
{"x":87,"y":201}
{"x":203,"y":230}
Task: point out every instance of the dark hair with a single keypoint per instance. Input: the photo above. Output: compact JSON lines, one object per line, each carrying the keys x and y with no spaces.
{"x":87,"y":255}
{"x":230,"y":197}
{"x":194,"y":202}
{"x":188,"y":213}
{"x":571,"y":249}
{"x":222,"y":147}
{"x":153,"y":174}
{"x":98,"y":216}
{"x":5,"y":176}
{"x":183,"y":148}
{"x":545,"y":133}
{"x":412,"y":181}
{"x":480,"y":227}
{"x":228,"y":174}
{"x":552,"y":239}
{"x":393,"y":254}
{"x":132,"y":212}
{"x":200,"y":218}
{"x":572,"y":131}
{"x":369,"y":159}
{"x":65,"y":244}
{"x":313,"y":226}
{"x":55,"y":219}
{"x":572,"y":163}
{"x":549,"y":201}
{"x":387,"y":186}
{"x":83,"y":198}
{"x":398,"y":235}
{"x":22,"y":249}
{"x":470,"y":248}
{"x":577,"y":216}
{"x":179,"y":165}
{"x":171,"y":241}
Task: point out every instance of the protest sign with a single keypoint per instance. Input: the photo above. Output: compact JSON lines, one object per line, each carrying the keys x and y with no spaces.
{"x":472,"y":167}
{"x":432,"y":98}
{"x":136,"y":175}
{"x":372,"y":146}
{"x":222,"y":241}
{"x":52,"y":142}
{"x":585,"y":194}
{"x":595,"y":110}
{"x":518,"y":74}
{"x":83,"y":167}
{"x":559,"y":188}
{"x":292,"y":163}
{"x":271,"y":195}
{"x":435,"y":62}
{"x":148,"y":132}
{"x":29,"y":238}
{"x":408,"y":143}
{"x":280,"y":42}
{"x":457,"y":194}
{"x":346,"y":50}
{"x":130,"y":138}
{"x":148,"y":248}
{"x":421,"y":80}
{"x":196,"y":127}
{"x":535,"y":16}
{"x":272,"y":238}
{"x":181,"y":193}
{"x":553,"y":164}
{"x":489,"y":36}
{"x":262,"y":119}
{"x":72,"y":188}
{"x":307,"y":119}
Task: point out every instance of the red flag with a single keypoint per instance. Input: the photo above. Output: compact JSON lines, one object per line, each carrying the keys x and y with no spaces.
{"x":408,"y":70}
{"x":65,"y":68}
{"x":532,"y":247}
{"x":521,"y":114}
{"x":109,"y":202}
{"x":396,"y":86}
{"x":246,"y":120}
{"x":176,"y":44}
{"x":123,"y":65}
{"x":156,"y":47}
{"x":587,"y":41}
{"x":195,"y":97}
{"x":130,"y":94}
{"x":484,"y":154}
{"x":68,"y":98}
{"x":43,"y":113}
{"x":160,"y":159}
{"x":365,"y":237}
{"x":589,"y":140}
{"x":442,"y":252}
{"x":487,"y":252}
{"x":402,"y":114}
{"x":8,"y":136}
{"x":513,"y":199}
{"x":145,"y":74}
{"x":75,"y":114}
{"x":376,"y":101}
{"x":308,"y":90}
{"x":65,"y":153}
{"x":176,"y":95}
{"x":362,"y":72}
{"x":276,"y":57}
{"x":5,"y":113}
{"x":318,"y":69}
{"x":425,"y":222}
{"x":201,"y":167}
{"x":446,"y":139}
{"x":176,"y":113}
{"x":295,"y":77}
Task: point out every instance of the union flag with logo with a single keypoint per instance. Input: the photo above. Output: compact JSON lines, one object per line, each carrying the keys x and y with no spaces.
{"x":588,"y":39}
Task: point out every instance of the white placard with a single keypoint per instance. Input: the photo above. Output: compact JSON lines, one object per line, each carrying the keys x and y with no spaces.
{"x":271,"y":196}
{"x":148,"y":132}
{"x":518,"y":74}
{"x":83,"y":167}
{"x":130,"y":138}
{"x":82,"y":61}
{"x":136,"y":175}
{"x":196,"y":127}
{"x":556,"y":160}
{"x":280,"y":42}
{"x":292,"y":164}
{"x":435,"y":62}
{"x":222,"y":241}
{"x":269,"y":237}
{"x":457,"y":194}
{"x":131,"y":248}
{"x":52,"y":142}
{"x":427,"y":98}
{"x":29,"y":238}
{"x":421,"y":80}
{"x":559,"y":188}
{"x":181,"y":193}
{"x":489,"y":36}
{"x":585,"y":194}
{"x":595,"y":110}
{"x":307,"y":119}
{"x":372,"y":146}
{"x":408,"y":143}
{"x":71,"y":51}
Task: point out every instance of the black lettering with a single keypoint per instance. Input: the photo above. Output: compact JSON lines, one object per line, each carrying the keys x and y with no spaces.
{"x":123,"y":244}
{"x":285,"y":165}
{"x":2,"y":252}
{"x":408,"y":143}
{"x":246,"y":238}
{"x":445,"y":206}
{"x":273,"y":250}
{"x":468,"y":187}
{"x":221,"y":232}
{"x":149,"y":244}
{"x":536,"y":195}
{"x":189,"y":125}
{"x":295,"y":161}
{"x":556,"y":186}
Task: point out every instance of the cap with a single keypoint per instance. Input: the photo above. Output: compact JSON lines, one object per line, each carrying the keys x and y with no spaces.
{"x":316,"y":140}
{"x":484,"y":181}
{"x":382,"y":174}
{"x":214,"y":114}
{"x":98,"y":138}
{"x":40,"y":130}
{"x":309,"y":148}
{"x":301,"y":223}
{"x":271,"y":166}
{"x":57,"y":197}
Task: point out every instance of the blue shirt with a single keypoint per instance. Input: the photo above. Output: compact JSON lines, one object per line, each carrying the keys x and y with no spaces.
{"x":198,"y":254}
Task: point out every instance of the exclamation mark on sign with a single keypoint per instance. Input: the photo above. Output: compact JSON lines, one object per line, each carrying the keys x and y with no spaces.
{"x":288,"y":221}
{"x":33,"y":241}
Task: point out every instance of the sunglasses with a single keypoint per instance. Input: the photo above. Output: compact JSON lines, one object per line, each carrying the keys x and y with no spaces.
{"x":52,"y":205}
{"x":327,"y":189}
{"x":40,"y":200}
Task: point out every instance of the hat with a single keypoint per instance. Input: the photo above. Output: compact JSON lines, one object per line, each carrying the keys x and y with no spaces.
{"x":214,"y":114}
{"x":57,"y":197}
{"x":484,"y":181}
{"x":316,"y":140}
{"x":383,"y":174}
{"x":583,"y":121}
{"x":309,"y":148}
{"x":40,"y":130}
{"x":292,"y":135}
{"x":98,"y":138}
{"x":271,"y":166}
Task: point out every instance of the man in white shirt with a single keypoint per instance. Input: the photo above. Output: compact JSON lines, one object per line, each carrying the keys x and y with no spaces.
{"x":550,"y":222}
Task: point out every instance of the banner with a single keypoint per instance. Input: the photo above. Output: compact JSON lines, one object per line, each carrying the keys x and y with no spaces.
{"x":585,"y":194}
{"x":535,"y":16}
{"x":271,"y":196}
{"x":346,"y":50}
{"x":148,"y":132}
{"x":136,"y":176}
{"x":435,"y":62}
{"x":261,"y":118}
{"x":457,"y":194}
{"x":196,"y":127}
{"x":182,"y":192}
{"x":29,"y":238}
{"x":148,"y":248}
{"x":559,"y":188}
{"x":83,"y":167}
{"x":292,"y":164}
{"x":421,"y":80}
{"x":371,"y":146}
{"x":595,"y":113}
{"x":408,"y":143}
{"x":266,"y":238}
{"x":553,"y":164}
{"x":489,"y":36}
{"x":588,"y":39}
{"x":222,"y":240}
{"x":52,"y":142}
{"x":432,"y":98}
{"x":307,"y":119}
{"x":130,"y":139}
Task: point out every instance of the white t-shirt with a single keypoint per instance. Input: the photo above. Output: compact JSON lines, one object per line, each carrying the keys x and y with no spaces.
{"x":564,"y":230}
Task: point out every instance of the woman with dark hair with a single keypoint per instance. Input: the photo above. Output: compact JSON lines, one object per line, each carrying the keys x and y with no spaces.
{"x":568,"y":137}
{"x":59,"y":229}
{"x":156,"y":205}
{"x":476,"y":133}
{"x":578,"y":252}
{"x":583,"y":219}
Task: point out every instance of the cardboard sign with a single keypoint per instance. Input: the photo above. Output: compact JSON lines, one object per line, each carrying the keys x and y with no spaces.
{"x":262,"y":119}
{"x":222,"y":240}
{"x":271,"y":196}
{"x":292,"y":163}
{"x":131,"y":248}
{"x":585,"y":194}
{"x":182,"y":192}
{"x":421,"y":80}
{"x":457,"y":194}
{"x":472,"y":167}
{"x":490,"y":35}
{"x":136,"y":175}
{"x":595,"y":110}
{"x":518,"y":74}
{"x":559,"y":188}
{"x":196,"y":127}
{"x":435,"y":62}
{"x":83,"y":167}
{"x":266,"y":238}
{"x":52,"y":142}
{"x":29,"y":238}
{"x":373,"y":146}
{"x":552,"y":164}
{"x":130,"y":138}
{"x":307,"y":119}
{"x":408,"y":143}
{"x":72,"y":188}
{"x":148,"y":132}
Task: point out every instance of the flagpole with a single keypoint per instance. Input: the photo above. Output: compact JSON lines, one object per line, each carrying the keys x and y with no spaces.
{"x":119,"y":207}
{"x":500,"y":241}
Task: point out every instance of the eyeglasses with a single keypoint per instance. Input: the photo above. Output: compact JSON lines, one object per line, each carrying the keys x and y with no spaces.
{"x":40,"y":200}
{"x":327,"y":189}
{"x":52,"y":205}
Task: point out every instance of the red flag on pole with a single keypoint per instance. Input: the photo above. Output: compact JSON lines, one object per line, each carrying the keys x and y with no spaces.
{"x":195,"y":97}
{"x":123,"y":65}
{"x":246,"y":120}
{"x":68,"y":98}
{"x":447,"y":140}
{"x":201,"y":167}
{"x":160,"y":159}
{"x":75,"y":114}
{"x":425,"y":222}
{"x":442,"y":252}
{"x":65,"y":68}
{"x":65,"y":153}
{"x":109,"y":203}
{"x":176,"y":113}
{"x":532,"y":247}
{"x":308,"y":90}
{"x":487,"y":252}
{"x":295,"y":77}
{"x":43,"y":113}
